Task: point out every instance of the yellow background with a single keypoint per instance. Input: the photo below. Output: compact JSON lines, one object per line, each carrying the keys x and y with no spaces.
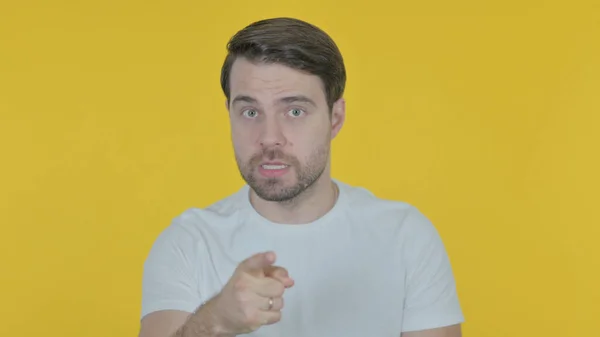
{"x":483,"y":114}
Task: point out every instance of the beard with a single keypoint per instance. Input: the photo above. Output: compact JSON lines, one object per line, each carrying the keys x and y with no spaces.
{"x":275,"y":189}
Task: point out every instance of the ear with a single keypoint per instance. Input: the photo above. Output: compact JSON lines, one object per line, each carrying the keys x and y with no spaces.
{"x":227,"y":104}
{"x":338,"y":116}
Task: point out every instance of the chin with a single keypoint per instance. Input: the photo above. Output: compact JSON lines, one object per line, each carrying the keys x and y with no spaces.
{"x":276,"y":190}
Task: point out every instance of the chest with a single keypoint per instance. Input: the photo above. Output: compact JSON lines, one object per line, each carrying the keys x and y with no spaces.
{"x":358,"y":293}
{"x":345,"y":285}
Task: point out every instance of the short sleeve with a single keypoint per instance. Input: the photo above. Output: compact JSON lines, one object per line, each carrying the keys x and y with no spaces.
{"x":169,"y":280}
{"x":431,"y":299}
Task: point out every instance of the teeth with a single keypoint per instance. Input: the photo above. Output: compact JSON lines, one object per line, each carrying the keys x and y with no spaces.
{"x":273,"y":167}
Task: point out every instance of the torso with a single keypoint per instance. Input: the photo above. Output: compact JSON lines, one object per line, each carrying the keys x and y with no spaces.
{"x":347,"y":266}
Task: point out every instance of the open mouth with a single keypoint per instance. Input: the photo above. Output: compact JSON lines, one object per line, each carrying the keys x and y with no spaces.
{"x":273,"y":167}
{"x":272,"y":170}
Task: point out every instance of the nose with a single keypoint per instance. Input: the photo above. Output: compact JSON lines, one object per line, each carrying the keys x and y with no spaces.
{"x":271,"y":133}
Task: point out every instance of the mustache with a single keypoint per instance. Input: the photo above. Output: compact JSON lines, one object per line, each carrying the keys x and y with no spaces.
{"x":271,"y":155}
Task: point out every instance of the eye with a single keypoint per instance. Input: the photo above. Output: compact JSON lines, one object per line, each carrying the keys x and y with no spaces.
{"x":250,"y":113}
{"x":296,"y":112}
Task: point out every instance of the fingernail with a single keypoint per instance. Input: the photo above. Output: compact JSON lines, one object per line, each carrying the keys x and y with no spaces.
{"x":270,"y":256}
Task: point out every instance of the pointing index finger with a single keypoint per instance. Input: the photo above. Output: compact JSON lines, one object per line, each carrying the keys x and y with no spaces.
{"x":258,"y":262}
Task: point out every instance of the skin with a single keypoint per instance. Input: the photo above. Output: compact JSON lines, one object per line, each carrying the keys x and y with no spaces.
{"x":277,"y":114}
{"x":268,"y":124}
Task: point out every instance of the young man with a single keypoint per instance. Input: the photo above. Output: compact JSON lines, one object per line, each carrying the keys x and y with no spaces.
{"x":294,"y":252}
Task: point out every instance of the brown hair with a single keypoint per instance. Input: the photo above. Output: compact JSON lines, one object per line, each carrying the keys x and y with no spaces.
{"x":291,"y":42}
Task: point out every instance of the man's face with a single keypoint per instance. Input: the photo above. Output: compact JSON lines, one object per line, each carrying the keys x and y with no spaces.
{"x":281,"y":128}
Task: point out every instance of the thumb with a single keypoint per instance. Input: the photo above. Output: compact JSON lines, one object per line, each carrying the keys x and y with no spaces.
{"x":257,"y":263}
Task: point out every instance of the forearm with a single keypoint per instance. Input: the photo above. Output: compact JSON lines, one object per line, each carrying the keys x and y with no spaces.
{"x":202,"y":323}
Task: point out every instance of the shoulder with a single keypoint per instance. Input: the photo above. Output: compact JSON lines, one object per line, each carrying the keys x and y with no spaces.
{"x":195,"y":218}
{"x":361,"y":202}
{"x":194,"y":224}
{"x":396,"y":222}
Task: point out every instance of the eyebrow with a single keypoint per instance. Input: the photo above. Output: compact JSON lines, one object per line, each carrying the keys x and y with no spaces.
{"x":286,"y":100}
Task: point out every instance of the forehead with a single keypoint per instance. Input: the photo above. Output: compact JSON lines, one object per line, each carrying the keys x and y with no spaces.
{"x":268,"y":81}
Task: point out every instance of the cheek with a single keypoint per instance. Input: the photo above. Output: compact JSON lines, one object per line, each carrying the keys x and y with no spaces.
{"x":243,"y":142}
{"x":304,"y":148}
{"x":239,"y":133}
{"x":241,"y":146}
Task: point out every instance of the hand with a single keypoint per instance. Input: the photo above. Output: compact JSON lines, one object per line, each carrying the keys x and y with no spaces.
{"x":253,"y":295}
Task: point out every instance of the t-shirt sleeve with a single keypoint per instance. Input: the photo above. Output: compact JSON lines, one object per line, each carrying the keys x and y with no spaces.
{"x":169,"y":280}
{"x":431,"y":297}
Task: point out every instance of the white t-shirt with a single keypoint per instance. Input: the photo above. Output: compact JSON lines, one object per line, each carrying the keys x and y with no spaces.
{"x":369,"y":267}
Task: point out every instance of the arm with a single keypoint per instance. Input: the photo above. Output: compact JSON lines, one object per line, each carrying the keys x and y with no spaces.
{"x":170,"y":296}
{"x":164,"y":323}
{"x":447,"y":331}
{"x":175,"y":323}
{"x":432,"y":308}
{"x":173,"y":307}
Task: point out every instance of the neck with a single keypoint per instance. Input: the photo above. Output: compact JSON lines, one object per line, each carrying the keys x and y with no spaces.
{"x":310,"y":205}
